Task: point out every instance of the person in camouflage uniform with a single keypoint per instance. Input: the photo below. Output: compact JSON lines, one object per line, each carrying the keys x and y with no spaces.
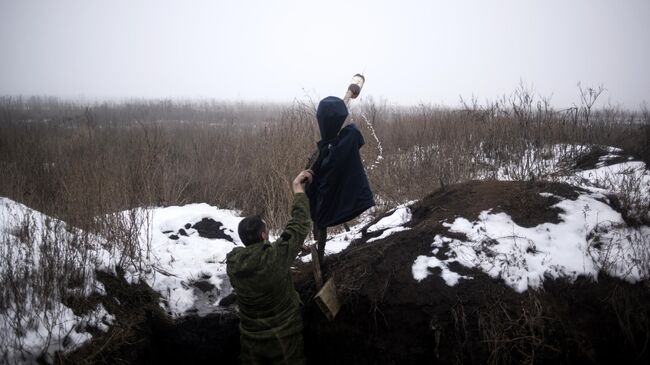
{"x":269,"y":306}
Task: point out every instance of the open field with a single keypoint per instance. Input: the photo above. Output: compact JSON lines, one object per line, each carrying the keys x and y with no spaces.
{"x":73,"y":160}
{"x":99,"y":173}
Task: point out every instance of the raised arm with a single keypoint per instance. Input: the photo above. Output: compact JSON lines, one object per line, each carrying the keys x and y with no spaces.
{"x":299,"y":224}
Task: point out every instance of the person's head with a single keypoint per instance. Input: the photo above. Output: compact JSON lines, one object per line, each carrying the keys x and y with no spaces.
{"x":252,"y":230}
{"x":331,"y":115}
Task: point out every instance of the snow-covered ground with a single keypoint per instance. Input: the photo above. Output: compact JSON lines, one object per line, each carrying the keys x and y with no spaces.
{"x":591,"y":237}
{"x":554,"y":163}
{"x":177,"y":256}
{"x":33,"y":319}
{"x":392,"y":223}
{"x":539,"y":162}
{"x":524,"y":257}
{"x":187,"y":257}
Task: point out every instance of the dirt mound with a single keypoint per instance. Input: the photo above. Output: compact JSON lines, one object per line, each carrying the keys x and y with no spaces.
{"x":143,"y":333}
{"x":390,"y":318}
{"x":521,"y":200}
{"x":599,"y":156}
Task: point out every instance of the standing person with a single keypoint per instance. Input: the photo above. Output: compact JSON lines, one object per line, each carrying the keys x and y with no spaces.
{"x":269,"y":306}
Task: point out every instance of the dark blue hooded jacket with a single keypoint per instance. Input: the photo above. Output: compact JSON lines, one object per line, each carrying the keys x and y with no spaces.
{"x":340,"y":189}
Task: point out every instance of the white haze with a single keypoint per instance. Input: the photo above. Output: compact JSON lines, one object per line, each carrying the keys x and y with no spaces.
{"x":410,"y":51}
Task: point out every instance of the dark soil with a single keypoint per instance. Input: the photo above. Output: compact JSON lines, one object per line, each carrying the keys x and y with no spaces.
{"x":206,"y":228}
{"x":521,"y":200}
{"x":591,"y":159}
{"x":143,"y":333}
{"x":209,"y":228}
{"x":389,"y":318}
{"x":210,"y":339}
{"x":135,"y":307}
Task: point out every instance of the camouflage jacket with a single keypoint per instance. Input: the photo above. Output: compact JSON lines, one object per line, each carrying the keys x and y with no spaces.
{"x":269,"y":305}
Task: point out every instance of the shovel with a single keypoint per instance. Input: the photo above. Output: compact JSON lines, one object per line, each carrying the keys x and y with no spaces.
{"x":327,"y":299}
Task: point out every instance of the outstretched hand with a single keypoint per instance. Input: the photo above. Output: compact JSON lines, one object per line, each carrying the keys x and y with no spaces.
{"x":305,"y":176}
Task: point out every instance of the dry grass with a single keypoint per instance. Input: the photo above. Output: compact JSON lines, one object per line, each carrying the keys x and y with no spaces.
{"x":79,"y":163}
{"x":76,"y":161}
{"x":514,"y":336}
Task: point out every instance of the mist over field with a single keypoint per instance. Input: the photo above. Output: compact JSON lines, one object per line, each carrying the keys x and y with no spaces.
{"x":412,"y":52}
{"x":506,"y":145}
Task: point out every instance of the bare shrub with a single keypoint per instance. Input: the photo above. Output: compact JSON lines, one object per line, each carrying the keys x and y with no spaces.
{"x":241,"y":156}
{"x":83,"y":163}
{"x":621,"y":251}
{"x":514,"y":336}
{"x":44,"y":262}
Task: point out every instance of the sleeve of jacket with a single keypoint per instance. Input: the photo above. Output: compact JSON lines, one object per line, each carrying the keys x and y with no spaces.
{"x":297,"y":229}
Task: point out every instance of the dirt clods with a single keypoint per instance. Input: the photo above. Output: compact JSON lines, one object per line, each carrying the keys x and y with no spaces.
{"x":388,"y":317}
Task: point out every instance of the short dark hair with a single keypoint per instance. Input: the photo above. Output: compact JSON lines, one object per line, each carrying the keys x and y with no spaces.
{"x":250,"y":229}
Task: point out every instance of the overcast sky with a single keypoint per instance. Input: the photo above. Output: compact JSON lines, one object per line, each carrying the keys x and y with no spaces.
{"x":410,"y":51}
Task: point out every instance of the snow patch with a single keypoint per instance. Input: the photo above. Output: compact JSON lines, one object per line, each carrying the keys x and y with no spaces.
{"x":338,"y":242}
{"x":388,"y":232}
{"x":35,"y":323}
{"x":179,"y":262}
{"x":523,"y":257}
{"x":422,"y":265}
{"x":400,"y":216}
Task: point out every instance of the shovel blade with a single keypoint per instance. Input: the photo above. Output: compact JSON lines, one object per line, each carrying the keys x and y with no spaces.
{"x":328,"y":300}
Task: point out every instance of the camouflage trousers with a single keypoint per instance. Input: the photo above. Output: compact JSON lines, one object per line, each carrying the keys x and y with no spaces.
{"x":283,"y":350}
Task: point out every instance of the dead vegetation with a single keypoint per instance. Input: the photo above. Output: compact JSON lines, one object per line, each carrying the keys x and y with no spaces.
{"x":390,"y":318}
{"x":515,"y":335}
{"x":81,"y":163}
{"x":68,"y":159}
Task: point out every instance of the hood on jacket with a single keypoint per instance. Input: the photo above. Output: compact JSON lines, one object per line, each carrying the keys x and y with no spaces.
{"x":331,"y":114}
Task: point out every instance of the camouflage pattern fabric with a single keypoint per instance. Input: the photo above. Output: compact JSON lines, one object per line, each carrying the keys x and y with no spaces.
{"x":284,"y":350}
{"x":269,"y":306}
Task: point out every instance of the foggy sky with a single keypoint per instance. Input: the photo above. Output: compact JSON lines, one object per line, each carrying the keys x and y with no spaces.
{"x":410,"y":51}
